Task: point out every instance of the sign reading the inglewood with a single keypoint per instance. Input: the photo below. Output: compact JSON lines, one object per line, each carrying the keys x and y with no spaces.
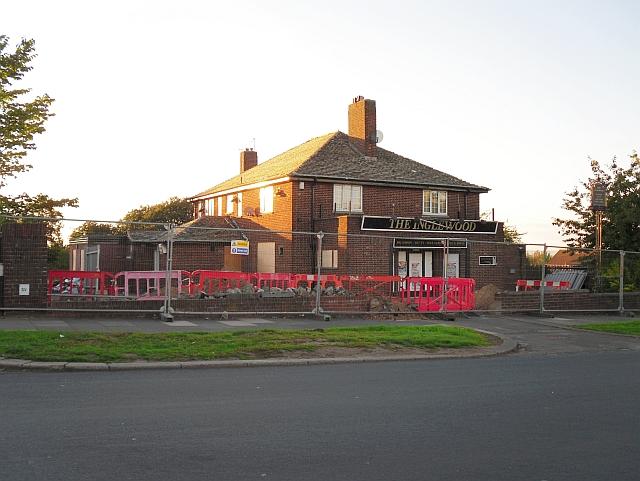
{"x":409,"y":224}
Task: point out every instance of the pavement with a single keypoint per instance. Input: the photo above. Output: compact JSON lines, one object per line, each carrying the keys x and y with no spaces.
{"x":521,"y":334}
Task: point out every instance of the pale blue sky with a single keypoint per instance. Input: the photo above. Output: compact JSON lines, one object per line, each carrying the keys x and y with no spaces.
{"x":155,"y":99}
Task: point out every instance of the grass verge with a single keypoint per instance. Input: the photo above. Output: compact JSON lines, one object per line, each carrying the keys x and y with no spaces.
{"x":114,"y":347}
{"x":631,"y":328}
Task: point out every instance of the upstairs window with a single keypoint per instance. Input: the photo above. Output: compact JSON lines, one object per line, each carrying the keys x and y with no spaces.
{"x":434,"y":202}
{"x":266,"y":200}
{"x":230,"y":200}
{"x":220,"y":206}
{"x":347,"y":198}
{"x":208,"y":205}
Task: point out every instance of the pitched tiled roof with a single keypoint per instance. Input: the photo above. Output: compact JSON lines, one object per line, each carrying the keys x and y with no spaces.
{"x":203,"y":229}
{"x":334,"y":156}
{"x":568,"y":258}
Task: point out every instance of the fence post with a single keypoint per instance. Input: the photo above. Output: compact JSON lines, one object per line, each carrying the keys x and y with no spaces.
{"x":543,"y":273}
{"x":320,"y":235}
{"x":621,"y":288}
{"x":165,"y":313}
{"x":443,"y":298}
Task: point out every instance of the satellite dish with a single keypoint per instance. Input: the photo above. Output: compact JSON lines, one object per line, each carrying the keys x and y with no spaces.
{"x":379,"y":136}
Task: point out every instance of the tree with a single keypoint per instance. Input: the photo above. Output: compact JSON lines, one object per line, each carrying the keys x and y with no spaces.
{"x":538,"y":258}
{"x":511,"y":234}
{"x":91,"y":227}
{"x":174,"y":210}
{"x":22,"y":116}
{"x":621,"y":222}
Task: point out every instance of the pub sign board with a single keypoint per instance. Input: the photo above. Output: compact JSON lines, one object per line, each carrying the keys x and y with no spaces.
{"x":410,"y":224}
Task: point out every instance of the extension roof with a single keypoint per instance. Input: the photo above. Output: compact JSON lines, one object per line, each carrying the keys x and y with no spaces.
{"x":204,"y":229}
{"x":334,"y":157}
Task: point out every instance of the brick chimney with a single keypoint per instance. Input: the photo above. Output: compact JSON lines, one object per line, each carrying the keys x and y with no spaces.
{"x":362,"y":125}
{"x":248,"y":159}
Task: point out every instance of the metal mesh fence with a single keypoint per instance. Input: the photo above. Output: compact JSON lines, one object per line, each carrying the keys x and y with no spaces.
{"x":157,"y":268}
{"x":238,"y":270}
{"x":631,"y":281}
{"x":99,"y":267}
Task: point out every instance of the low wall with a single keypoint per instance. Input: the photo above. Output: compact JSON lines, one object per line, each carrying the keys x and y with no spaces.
{"x":567,"y":301}
{"x":236,"y":303}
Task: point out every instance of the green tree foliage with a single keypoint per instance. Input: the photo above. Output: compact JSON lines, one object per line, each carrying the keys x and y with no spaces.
{"x":22,"y":117}
{"x":538,"y":258}
{"x":621,"y":220}
{"x":91,"y":227}
{"x":511,"y":234}
{"x":174,"y":210}
{"x":620,"y":223}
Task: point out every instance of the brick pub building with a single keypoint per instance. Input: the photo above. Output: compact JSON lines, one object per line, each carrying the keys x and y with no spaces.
{"x":382,"y":213}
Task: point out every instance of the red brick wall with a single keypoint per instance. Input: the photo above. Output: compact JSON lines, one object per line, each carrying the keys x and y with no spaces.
{"x":248,"y":159}
{"x":314,"y":212}
{"x":191,"y":256}
{"x":362,"y":125}
{"x":376,"y":200}
{"x":24,"y":259}
{"x":119,"y":255}
{"x":566,"y":300}
{"x":510,"y":262}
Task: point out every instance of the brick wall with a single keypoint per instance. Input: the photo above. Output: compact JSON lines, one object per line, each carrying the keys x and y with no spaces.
{"x":566,"y":300}
{"x":119,"y":255}
{"x":510,"y":263}
{"x":240,"y":303}
{"x":191,"y":256}
{"x":378,"y":200}
{"x":310,"y":209}
{"x":24,"y":259}
{"x":362,"y":125}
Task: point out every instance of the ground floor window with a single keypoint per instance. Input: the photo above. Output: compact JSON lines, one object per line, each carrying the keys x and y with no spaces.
{"x":330,"y":259}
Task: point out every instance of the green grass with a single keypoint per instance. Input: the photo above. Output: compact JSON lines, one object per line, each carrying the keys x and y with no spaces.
{"x":113,"y":347}
{"x":631,"y":328}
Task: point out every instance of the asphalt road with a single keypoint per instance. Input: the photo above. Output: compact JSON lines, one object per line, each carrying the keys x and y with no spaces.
{"x":545,"y":417}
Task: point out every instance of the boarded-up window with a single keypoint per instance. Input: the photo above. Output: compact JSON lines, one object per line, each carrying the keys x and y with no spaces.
{"x":330,"y":259}
{"x":266,"y":256}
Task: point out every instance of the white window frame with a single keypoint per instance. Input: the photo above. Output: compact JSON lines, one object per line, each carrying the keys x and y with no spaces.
{"x":266,"y":200}
{"x":494,"y":261}
{"x":209,"y":206}
{"x":220,"y":206}
{"x":329,"y":258}
{"x":229,"y":210}
{"x":347,"y":198}
{"x":439,"y":197}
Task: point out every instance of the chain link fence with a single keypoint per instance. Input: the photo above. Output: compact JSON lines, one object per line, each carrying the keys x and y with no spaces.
{"x":239,"y":268}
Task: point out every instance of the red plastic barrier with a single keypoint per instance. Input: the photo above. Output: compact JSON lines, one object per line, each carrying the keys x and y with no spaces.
{"x":438,"y":293}
{"x":531,"y":285}
{"x":150,"y":285}
{"x":377,"y":285}
{"x":307,"y":280}
{"x":209,"y":282}
{"x":267,"y":280}
{"x":80,"y":283}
